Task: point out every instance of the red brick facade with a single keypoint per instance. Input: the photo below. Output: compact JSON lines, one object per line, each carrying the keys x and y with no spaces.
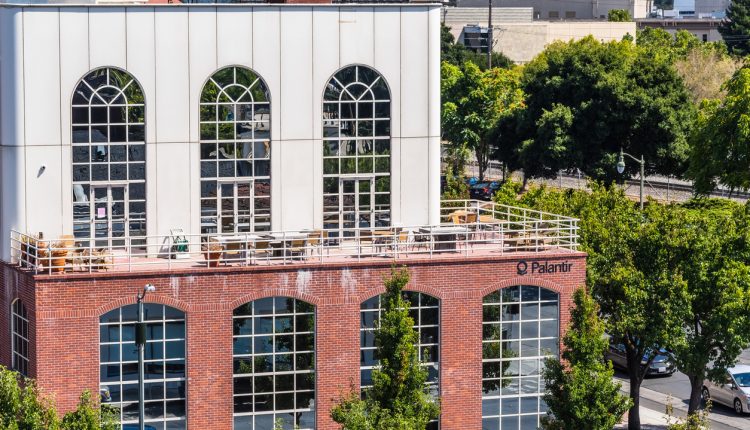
{"x":64,"y":315}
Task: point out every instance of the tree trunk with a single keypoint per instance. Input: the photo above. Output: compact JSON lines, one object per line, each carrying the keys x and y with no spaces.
{"x":696,"y":384}
{"x":482,"y":161}
{"x":634,"y":414}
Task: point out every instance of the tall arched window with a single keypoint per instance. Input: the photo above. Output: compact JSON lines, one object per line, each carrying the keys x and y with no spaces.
{"x":19,"y":322}
{"x":235,"y":133}
{"x":520,"y":329}
{"x":274,"y":364}
{"x":356,"y":151}
{"x":109,"y":158}
{"x":164,"y":365}
{"x":425,"y":310}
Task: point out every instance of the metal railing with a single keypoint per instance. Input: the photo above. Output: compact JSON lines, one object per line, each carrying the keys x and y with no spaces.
{"x":467,"y":228}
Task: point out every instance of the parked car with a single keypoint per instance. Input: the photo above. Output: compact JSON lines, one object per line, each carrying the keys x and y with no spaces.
{"x":663,"y":364}
{"x":483,"y":190}
{"x":733,"y":392}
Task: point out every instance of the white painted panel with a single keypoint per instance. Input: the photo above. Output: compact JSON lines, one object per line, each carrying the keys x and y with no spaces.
{"x":172,"y":190}
{"x":414,"y":184}
{"x":195,"y":184}
{"x":433,"y":64}
{"x":44,"y":208}
{"x":74,"y":61}
{"x":41,"y":76}
{"x":414,"y":72}
{"x":266,"y":51}
{"x":296,"y":74}
{"x":66,"y":190}
{"x":234,"y":34}
{"x":107,"y":39}
{"x":172,"y":76}
{"x":356,"y":25}
{"x":13,"y":192}
{"x":297,"y":185}
{"x":140,"y":37}
{"x":388,"y":58}
{"x":325,"y":48}
{"x":11,"y":78}
{"x":326,"y":61}
{"x":202,"y":41}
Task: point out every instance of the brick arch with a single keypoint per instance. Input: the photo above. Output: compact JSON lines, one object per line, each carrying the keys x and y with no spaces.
{"x":418,"y":288}
{"x":150,"y":298}
{"x":293,"y":293}
{"x":522,"y":280}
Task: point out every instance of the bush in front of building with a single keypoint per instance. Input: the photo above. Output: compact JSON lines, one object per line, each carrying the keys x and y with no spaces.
{"x":398,"y":398}
{"x":24,"y":407}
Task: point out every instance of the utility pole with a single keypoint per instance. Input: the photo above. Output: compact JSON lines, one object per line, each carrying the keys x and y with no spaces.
{"x":489,"y":38}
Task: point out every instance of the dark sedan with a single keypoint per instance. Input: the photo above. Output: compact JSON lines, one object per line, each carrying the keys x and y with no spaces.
{"x":483,"y":190}
{"x":663,"y":364}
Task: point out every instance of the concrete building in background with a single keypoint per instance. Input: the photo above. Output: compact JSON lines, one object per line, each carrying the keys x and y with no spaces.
{"x":705,"y":29}
{"x":521,"y":37}
{"x":567,"y":9}
{"x":263,"y":167}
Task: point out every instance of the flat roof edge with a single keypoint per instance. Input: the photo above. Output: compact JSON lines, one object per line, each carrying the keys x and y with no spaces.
{"x":219,"y":5}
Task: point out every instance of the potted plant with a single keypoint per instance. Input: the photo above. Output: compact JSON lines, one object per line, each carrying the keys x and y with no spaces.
{"x":212,"y":252}
{"x":58,"y":252}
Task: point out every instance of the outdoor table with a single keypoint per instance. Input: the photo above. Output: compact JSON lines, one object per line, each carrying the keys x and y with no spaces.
{"x":444,"y":237}
{"x":242,"y":239}
{"x":283,"y":240}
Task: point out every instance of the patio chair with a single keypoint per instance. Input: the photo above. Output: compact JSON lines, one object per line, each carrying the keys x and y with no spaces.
{"x":233,"y":253}
{"x":297,"y":248}
{"x":365,"y":239}
{"x":262,"y":248}
{"x":316,"y":240}
{"x":418,"y":239}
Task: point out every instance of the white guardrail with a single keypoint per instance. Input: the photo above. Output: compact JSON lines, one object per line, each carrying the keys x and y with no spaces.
{"x":467,"y":227}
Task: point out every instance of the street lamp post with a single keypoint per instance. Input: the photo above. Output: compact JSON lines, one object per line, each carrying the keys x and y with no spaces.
{"x":140,"y":341}
{"x":621,"y":168}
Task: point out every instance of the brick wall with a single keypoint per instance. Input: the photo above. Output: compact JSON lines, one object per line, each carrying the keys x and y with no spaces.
{"x":65,"y":309}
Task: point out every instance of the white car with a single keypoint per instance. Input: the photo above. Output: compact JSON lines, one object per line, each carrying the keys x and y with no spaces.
{"x":734,"y":392}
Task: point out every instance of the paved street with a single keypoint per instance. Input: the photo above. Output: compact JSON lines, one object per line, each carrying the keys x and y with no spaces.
{"x":655,"y":392}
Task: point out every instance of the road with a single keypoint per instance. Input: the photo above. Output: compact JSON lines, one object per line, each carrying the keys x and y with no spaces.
{"x":655,"y":392}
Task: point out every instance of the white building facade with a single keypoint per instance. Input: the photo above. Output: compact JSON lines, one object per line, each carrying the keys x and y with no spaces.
{"x":136,"y":120}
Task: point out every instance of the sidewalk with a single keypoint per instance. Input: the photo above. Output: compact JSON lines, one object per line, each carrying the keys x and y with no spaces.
{"x":650,"y":420}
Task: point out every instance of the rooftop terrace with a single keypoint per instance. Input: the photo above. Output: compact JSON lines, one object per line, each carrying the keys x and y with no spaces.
{"x":469,"y":228}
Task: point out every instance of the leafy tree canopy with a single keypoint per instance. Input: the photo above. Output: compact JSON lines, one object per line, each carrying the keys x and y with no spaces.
{"x":735,"y":28}
{"x":473,"y":101}
{"x":586,"y":100}
{"x":720,"y":144}
{"x":619,"y":15}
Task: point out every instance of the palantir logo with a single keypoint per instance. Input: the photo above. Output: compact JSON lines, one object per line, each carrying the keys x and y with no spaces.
{"x":522,"y":267}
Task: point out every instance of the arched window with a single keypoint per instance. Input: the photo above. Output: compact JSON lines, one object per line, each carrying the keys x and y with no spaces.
{"x":356,"y":151}
{"x":274,"y":364}
{"x":235,"y":133}
{"x":520,"y":329}
{"x":109,"y":158}
{"x":425,"y":310}
{"x":164,"y":365}
{"x":19,"y":322}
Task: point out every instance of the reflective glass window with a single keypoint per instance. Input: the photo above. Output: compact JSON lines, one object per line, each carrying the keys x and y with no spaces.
{"x":19,"y":322}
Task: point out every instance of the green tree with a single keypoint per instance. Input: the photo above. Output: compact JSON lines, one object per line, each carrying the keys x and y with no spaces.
{"x":720,"y":143}
{"x":641,"y":294}
{"x":735,"y":28}
{"x":22,"y":406}
{"x":712,"y":251}
{"x":619,"y":15}
{"x":586,"y":100}
{"x":455,"y":187}
{"x":582,"y":395}
{"x":473,"y":102}
{"x":398,"y":399}
{"x":90,"y":415}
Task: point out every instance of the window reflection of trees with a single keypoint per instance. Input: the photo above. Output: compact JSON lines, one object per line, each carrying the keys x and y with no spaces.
{"x":235,"y":147}
{"x":274,"y":363}
{"x":520,"y":328}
